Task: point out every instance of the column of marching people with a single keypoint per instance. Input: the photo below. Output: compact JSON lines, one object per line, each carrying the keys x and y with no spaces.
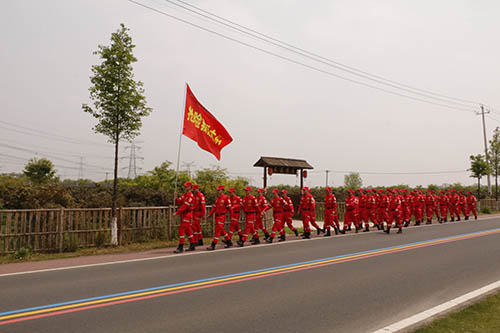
{"x":384,"y":209}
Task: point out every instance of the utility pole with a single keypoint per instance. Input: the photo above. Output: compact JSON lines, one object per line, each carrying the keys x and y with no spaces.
{"x":485,"y":143}
{"x":327,"y":171}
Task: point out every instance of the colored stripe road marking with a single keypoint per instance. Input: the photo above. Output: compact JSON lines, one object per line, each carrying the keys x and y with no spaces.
{"x":137,"y":295}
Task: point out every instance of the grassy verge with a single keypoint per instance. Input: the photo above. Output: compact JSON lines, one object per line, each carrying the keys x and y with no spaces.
{"x":483,"y":317}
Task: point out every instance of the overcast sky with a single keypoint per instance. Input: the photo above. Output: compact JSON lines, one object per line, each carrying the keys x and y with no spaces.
{"x":271,"y":107}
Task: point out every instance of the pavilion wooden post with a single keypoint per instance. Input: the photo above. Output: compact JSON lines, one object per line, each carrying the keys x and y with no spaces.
{"x":265,"y":177}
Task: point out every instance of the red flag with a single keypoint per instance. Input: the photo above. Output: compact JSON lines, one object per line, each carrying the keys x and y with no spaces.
{"x":201,"y":126}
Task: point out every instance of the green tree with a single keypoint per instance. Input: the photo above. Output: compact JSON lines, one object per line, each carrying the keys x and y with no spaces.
{"x":479,"y":168}
{"x":119,"y":101}
{"x":353,"y":181}
{"x":40,"y":171}
{"x":494,"y":157}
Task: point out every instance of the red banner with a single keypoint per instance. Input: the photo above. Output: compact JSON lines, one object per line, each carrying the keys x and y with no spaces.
{"x":201,"y":126}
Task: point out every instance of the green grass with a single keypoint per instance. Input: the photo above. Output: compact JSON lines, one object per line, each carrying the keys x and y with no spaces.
{"x":482,"y":317}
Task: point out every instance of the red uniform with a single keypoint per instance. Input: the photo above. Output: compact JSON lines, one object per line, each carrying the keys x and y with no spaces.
{"x":278,"y":204}
{"x":419,"y":203}
{"x":221,"y":207}
{"x":198,"y":213}
{"x":462,"y":203}
{"x":382,"y":207}
{"x":288,"y":210}
{"x":429,"y":206}
{"x":453,"y":205}
{"x":186,"y":213}
{"x":262,"y":207}
{"x":394,"y":214}
{"x":407,"y":208}
{"x":249,"y":205}
{"x":372,"y":204}
{"x":331,"y":215}
{"x":363,"y":208}
{"x":235,"y":215}
{"x":436,"y":205}
{"x":443,"y":207}
{"x":351,"y":207}
{"x":471,"y":206}
{"x":307,"y":207}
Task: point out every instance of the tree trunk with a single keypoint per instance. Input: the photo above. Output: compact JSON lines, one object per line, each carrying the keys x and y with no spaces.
{"x":496,"y":187}
{"x":114,"y":224}
{"x":478,"y":188}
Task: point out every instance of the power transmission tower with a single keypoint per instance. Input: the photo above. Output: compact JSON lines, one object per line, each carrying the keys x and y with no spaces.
{"x":485,"y":143}
{"x":188,"y":166}
{"x":80,"y":168}
{"x":132,"y":162}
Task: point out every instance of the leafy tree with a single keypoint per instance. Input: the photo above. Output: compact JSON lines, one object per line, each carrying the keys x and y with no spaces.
{"x":494,"y":158}
{"x":353,"y":181}
{"x":119,"y":101}
{"x":479,"y":167}
{"x":40,"y":171}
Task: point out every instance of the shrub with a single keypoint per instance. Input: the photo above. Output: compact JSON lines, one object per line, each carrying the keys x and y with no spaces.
{"x":100,"y":239}
{"x":23,"y":253}
{"x":485,"y":210}
{"x":70,"y":243}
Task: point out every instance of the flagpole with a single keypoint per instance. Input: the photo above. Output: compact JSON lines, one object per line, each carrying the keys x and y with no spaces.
{"x":180,"y":141}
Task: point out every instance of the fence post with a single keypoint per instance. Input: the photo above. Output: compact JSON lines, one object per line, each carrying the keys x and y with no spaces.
{"x":61,"y":229}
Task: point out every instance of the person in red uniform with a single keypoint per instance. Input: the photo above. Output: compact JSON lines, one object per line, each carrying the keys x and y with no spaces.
{"x":351,"y":203}
{"x":406,"y":204}
{"x":373,"y":207}
{"x":436,"y":205}
{"x":234,"y":226}
{"x":429,"y":206}
{"x":288,"y":210}
{"x":462,"y":203}
{"x":453,"y":205}
{"x":330,"y":212}
{"x":395,"y":212}
{"x":249,"y":206}
{"x":363,"y":209}
{"x":307,"y":207}
{"x":278,"y":205}
{"x":471,"y":205}
{"x":198,"y":214}
{"x":443,"y":207}
{"x":382,"y":208}
{"x":220,"y":208}
{"x":419,"y":202}
{"x":262,"y":207}
{"x":185,"y":211}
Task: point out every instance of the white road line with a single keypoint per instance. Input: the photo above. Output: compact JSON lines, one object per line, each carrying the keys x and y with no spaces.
{"x":432,"y":312}
{"x":220,"y":250}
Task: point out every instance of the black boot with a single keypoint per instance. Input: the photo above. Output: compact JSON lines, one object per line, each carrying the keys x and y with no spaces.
{"x":342,"y":231}
{"x":228,"y":243}
{"x":211,"y":247}
{"x":269,"y":240}
{"x":400,"y":231}
{"x":452,"y":219}
{"x":357,"y":229}
{"x":349,"y":228}
{"x":318,"y":231}
{"x":336,"y":230}
{"x":240,"y":243}
{"x":192,"y":247}
{"x":200,"y":242}
{"x":266,"y":235}
{"x":282,"y":238}
{"x":388,"y":231}
{"x":367,"y":229}
{"x":255,"y":241}
{"x":458,"y":218}
{"x":428,"y":222}
{"x":179,"y":248}
{"x":307,"y":235}
{"x":475,"y":217}
{"x":327,"y":233}
{"x":296,"y":232}
{"x":466,"y":218}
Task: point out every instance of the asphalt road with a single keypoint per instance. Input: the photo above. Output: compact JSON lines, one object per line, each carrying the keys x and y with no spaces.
{"x":353,"y":296}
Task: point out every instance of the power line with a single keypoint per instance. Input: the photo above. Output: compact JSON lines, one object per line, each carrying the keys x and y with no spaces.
{"x":298,"y":62}
{"x":393,"y":173}
{"x":329,"y":62}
